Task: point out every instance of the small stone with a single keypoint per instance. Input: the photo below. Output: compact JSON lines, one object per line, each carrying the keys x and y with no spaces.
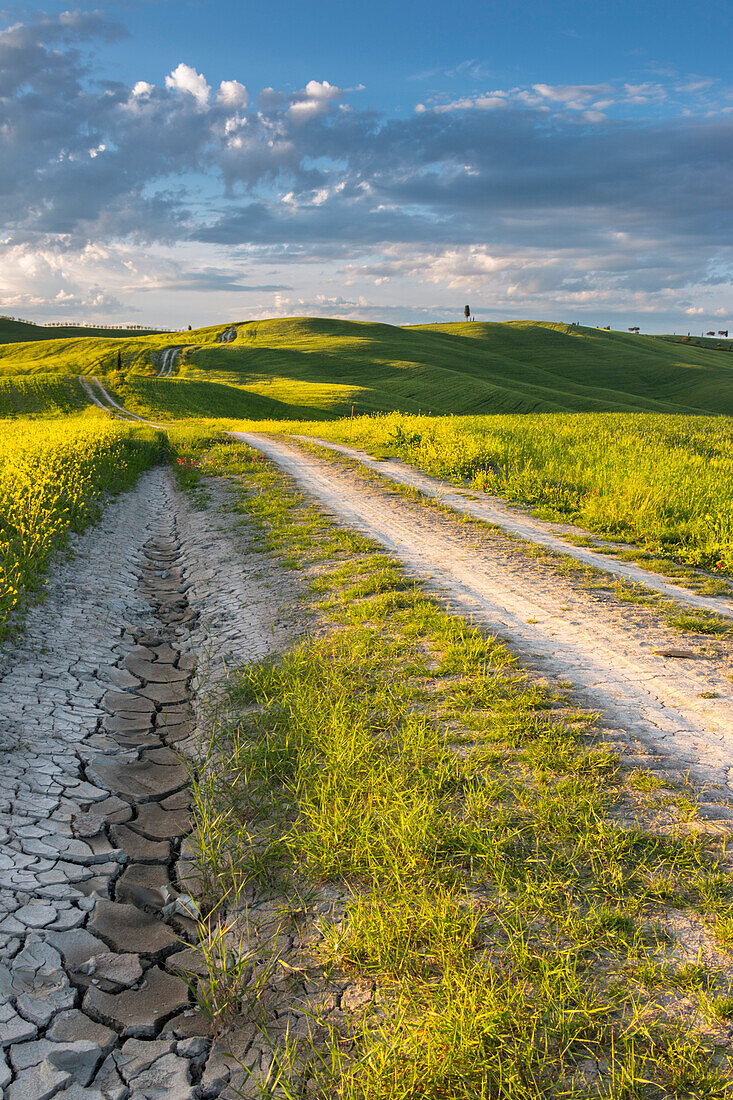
{"x":681,"y":653}
{"x":128,"y":929}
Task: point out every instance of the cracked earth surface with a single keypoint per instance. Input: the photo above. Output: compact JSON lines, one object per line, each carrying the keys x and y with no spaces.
{"x":95,"y":704}
{"x":676,"y":710}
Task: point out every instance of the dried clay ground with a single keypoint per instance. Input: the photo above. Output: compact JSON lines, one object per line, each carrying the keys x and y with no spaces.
{"x":106,"y":702}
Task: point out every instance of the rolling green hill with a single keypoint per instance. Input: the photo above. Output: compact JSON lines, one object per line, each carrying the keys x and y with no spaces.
{"x":311,"y":367}
{"x":465,"y":368}
{"x":13,"y":332}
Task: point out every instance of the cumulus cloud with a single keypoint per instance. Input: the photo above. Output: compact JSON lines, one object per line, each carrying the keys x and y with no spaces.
{"x":233,"y":94}
{"x":313,"y":100}
{"x":142,"y":89}
{"x":566,"y":193}
{"x":185,"y":79}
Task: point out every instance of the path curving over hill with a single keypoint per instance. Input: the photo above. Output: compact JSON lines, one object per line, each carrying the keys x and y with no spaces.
{"x":679,"y":708}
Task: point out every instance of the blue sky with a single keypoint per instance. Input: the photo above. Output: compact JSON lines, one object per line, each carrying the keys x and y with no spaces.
{"x":173,"y":163}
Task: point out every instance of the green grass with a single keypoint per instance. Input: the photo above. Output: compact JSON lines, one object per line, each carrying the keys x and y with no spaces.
{"x":13,"y":332}
{"x":663,"y":483}
{"x":180,"y":398}
{"x":78,"y":354}
{"x":328,"y":365}
{"x":513,"y":367}
{"x":40,"y":394}
{"x":505,"y":911}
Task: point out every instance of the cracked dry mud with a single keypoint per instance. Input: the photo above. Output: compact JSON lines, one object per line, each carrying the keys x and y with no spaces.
{"x":95,"y":703}
{"x":678,"y":711}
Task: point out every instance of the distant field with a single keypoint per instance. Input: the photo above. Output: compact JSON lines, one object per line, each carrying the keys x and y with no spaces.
{"x":662,"y":482}
{"x":22,"y":331}
{"x":466,"y":368}
{"x":282,"y":367}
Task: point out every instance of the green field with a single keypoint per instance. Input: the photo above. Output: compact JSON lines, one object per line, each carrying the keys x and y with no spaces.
{"x":663,"y":483}
{"x":12,"y":332}
{"x":327,"y":366}
{"x":641,"y":457}
{"x":40,"y":394}
{"x":465,"y":368}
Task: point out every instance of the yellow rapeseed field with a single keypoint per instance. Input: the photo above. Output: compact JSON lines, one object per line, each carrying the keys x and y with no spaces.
{"x":54,"y":478}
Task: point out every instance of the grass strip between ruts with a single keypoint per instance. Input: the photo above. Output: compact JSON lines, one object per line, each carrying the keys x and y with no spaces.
{"x":513,"y":889}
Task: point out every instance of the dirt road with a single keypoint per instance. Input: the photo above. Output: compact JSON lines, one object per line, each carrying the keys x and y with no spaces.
{"x":679,"y":709}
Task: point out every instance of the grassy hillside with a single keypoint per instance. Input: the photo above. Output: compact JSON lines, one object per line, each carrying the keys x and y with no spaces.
{"x":466,"y":368}
{"x":12,"y":332}
{"x":313,"y":367}
{"x":41,"y":393}
{"x":96,"y":354}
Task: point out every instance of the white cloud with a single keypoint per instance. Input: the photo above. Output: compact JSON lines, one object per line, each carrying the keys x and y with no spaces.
{"x":142,"y":89}
{"x":313,"y":100}
{"x":185,"y":79}
{"x":233,"y":94}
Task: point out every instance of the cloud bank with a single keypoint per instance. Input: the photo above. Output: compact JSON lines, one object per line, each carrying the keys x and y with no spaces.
{"x":610,"y":197}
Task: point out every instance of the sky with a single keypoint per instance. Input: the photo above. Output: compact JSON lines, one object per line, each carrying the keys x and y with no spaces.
{"x":168,"y":163}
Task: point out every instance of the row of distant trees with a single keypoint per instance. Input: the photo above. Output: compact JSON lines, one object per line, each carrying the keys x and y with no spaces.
{"x":82,"y":324}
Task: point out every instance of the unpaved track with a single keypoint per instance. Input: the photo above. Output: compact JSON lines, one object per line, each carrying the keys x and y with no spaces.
{"x":608,"y":656}
{"x":104,"y":400}
{"x":168,"y":359}
{"x":492,"y":510}
{"x":95,"y":701}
